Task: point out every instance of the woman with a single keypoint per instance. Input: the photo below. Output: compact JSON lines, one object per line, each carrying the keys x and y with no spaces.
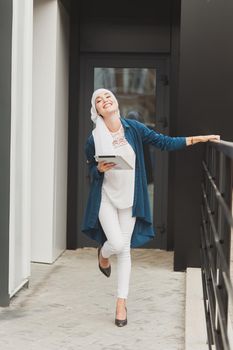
{"x":117,"y":214}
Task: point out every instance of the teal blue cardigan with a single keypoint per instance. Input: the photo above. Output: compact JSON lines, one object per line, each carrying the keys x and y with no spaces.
{"x":136,"y":134}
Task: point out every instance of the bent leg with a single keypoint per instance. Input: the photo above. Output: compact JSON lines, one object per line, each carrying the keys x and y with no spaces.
{"x":108,"y":216}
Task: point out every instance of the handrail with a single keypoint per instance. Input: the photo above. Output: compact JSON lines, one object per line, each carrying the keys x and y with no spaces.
{"x":225,"y":147}
{"x":216,"y":226}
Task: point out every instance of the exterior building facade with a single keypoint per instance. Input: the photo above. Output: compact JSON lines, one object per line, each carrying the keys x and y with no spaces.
{"x":175,"y":74}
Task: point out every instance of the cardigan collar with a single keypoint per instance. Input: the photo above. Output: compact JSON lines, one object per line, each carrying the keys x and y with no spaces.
{"x":124,"y":122}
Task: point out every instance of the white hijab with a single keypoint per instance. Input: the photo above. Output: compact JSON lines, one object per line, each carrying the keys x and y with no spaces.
{"x":101,"y":134}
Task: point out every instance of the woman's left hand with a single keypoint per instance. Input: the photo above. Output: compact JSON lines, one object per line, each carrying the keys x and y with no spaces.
{"x":205,"y":138}
{"x":202,"y":138}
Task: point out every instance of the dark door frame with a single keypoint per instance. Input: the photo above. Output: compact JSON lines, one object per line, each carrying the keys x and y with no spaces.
{"x":161,"y":63}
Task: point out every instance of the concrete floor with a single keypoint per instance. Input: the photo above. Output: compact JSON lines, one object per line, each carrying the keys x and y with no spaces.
{"x":71,"y":305}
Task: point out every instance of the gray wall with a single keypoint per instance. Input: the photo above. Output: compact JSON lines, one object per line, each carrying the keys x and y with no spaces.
{"x":174,"y":76}
{"x":205,"y":107}
{"x":5,"y":129}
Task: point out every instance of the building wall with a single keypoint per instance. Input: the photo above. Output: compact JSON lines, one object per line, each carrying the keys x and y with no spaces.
{"x":5,"y":129}
{"x":174,"y":78}
{"x":20,"y":171}
{"x":49,"y":130}
{"x":205,"y":107}
{"x":33,"y":152}
{"x":61,"y":132}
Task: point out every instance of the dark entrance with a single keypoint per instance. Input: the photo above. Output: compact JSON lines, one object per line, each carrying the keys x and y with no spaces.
{"x":141,"y":86}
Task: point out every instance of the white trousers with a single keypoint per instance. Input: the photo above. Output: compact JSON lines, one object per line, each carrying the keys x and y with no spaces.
{"x":118,"y":225}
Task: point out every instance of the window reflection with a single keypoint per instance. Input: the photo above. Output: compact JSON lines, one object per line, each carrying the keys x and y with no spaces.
{"x":135,"y":89}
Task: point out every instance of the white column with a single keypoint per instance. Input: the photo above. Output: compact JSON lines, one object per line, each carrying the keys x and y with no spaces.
{"x":61,"y":132}
{"x":49,"y":130}
{"x":20,"y":171}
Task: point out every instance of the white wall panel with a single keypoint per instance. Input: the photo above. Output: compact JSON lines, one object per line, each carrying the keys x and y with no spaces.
{"x":61,"y":131}
{"x":49,"y":130}
{"x":20,"y":170}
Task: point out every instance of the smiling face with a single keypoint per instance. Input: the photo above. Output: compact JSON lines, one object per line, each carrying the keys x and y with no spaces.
{"x":106,"y":104}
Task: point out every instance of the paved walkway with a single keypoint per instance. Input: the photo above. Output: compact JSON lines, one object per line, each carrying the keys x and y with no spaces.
{"x":70,"y":305}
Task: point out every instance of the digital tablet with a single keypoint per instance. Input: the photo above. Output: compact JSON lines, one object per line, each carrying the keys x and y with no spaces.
{"x":121,"y":163}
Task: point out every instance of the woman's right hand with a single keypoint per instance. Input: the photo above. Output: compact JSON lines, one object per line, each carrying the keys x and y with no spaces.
{"x":103,"y":166}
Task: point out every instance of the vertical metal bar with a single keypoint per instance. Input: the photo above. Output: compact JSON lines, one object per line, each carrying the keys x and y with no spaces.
{"x":210,"y":336}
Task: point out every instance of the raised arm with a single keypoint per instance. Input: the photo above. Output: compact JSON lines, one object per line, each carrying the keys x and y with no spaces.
{"x":170,"y":143}
{"x":159,"y":140}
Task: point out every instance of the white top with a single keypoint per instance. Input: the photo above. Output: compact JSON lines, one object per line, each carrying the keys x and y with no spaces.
{"x":118,"y":185}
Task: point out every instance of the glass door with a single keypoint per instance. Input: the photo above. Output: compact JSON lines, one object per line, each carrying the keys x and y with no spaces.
{"x":135,"y":89}
{"x":139,"y":85}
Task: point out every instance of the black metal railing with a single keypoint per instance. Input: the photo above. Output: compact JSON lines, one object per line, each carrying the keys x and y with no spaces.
{"x":216,"y":229}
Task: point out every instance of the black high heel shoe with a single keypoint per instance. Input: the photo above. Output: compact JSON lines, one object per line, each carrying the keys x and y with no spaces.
{"x":107,"y":270}
{"x":121,"y":323}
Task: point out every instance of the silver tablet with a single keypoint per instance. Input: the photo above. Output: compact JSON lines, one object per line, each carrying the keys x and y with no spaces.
{"x":121,"y":163}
